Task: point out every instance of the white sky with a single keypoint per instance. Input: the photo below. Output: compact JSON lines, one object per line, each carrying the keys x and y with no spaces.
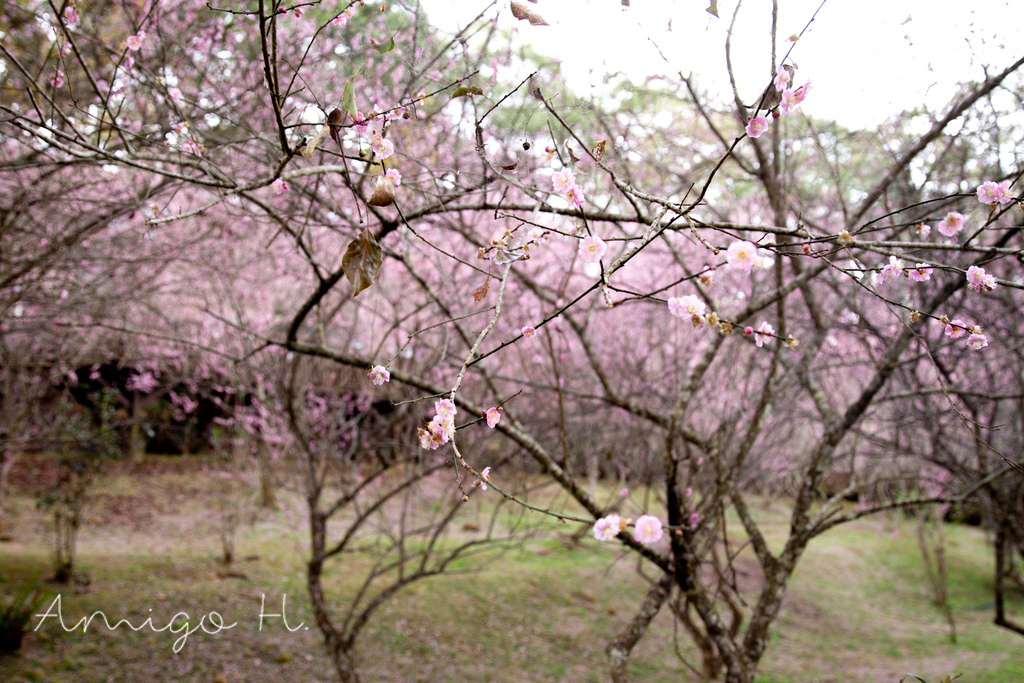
{"x":867,"y":59}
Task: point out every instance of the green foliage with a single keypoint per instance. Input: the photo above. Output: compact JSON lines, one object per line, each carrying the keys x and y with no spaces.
{"x":15,"y":612}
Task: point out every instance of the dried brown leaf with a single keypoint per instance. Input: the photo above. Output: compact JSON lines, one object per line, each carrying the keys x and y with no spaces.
{"x":311,"y":144}
{"x":521,"y":12}
{"x":362,"y":261}
{"x":481,"y":292}
{"x":383,"y":193}
{"x":334,"y":120}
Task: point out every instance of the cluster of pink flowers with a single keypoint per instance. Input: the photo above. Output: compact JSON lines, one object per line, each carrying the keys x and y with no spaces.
{"x":647,"y":529}
{"x":441,"y":429}
{"x":922,"y":272}
{"x":892,"y":270}
{"x":71,"y":16}
{"x":991,"y":192}
{"x":381,"y":146}
{"x":955,"y":329}
{"x":378,"y":374}
{"x":789,"y":100}
{"x":688,"y":307}
{"x":958,"y":328}
{"x":279,"y":186}
{"x":592,"y":249}
{"x":564,"y":182}
{"x":979,"y":280}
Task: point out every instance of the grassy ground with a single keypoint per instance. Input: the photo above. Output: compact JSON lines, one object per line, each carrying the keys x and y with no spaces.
{"x":858,"y":609}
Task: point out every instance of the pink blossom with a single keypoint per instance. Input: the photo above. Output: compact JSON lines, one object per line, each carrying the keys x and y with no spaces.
{"x":144,"y":383}
{"x":57,"y":80}
{"x":445,"y":408}
{"x":624,"y":492}
{"x":71,"y":17}
{"x":893,"y":269}
{"x":688,"y":307}
{"x":990,"y":192}
{"x":757,"y":126}
{"x":362,"y":123}
{"x":493,"y":415}
{"x":134,"y":42}
{"x":922,"y":272}
{"x":528,"y":331}
{"x":951,"y":224}
{"x":563,"y":180}
{"x":575,"y":195}
{"x":430,"y":439}
{"x":486,"y":477}
{"x":764,"y":331}
{"x":977,"y":341}
{"x":342,"y":19}
{"x":742,"y":256}
{"x":381,"y":146}
{"x":783,"y":79}
{"x":801,"y":92}
{"x":592,"y":249}
{"x":923,"y":230}
{"x":279,"y":186}
{"x":790,"y":101}
{"x":190,"y":147}
{"x":694,"y":520}
{"x":956,"y":329}
{"x":174,"y":93}
{"x":378,"y":374}
{"x":648,"y":529}
{"x":394,"y":176}
{"x":979,"y":280}
{"x":607,"y":528}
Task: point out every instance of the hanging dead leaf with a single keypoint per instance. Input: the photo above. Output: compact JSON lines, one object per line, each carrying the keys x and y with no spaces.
{"x":334,"y":124}
{"x":713,"y":8}
{"x":598,"y":150}
{"x":362,"y":261}
{"x":311,"y":143}
{"x":511,"y":167}
{"x":572,"y":155}
{"x":383,"y":193}
{"x":481,"y":292}
{"x":521,"y":12}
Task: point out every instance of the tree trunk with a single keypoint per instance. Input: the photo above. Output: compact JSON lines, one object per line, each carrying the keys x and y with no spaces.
{"x":618,"y":650}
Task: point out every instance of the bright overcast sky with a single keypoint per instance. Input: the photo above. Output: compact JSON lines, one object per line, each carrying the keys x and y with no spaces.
{"x":867,"y":59}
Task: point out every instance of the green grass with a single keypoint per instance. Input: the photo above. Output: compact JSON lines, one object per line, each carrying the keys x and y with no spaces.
{"x":858,"y":608}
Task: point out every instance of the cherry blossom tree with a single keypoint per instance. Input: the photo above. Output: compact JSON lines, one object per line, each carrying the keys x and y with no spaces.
{"x":736,"y":293}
